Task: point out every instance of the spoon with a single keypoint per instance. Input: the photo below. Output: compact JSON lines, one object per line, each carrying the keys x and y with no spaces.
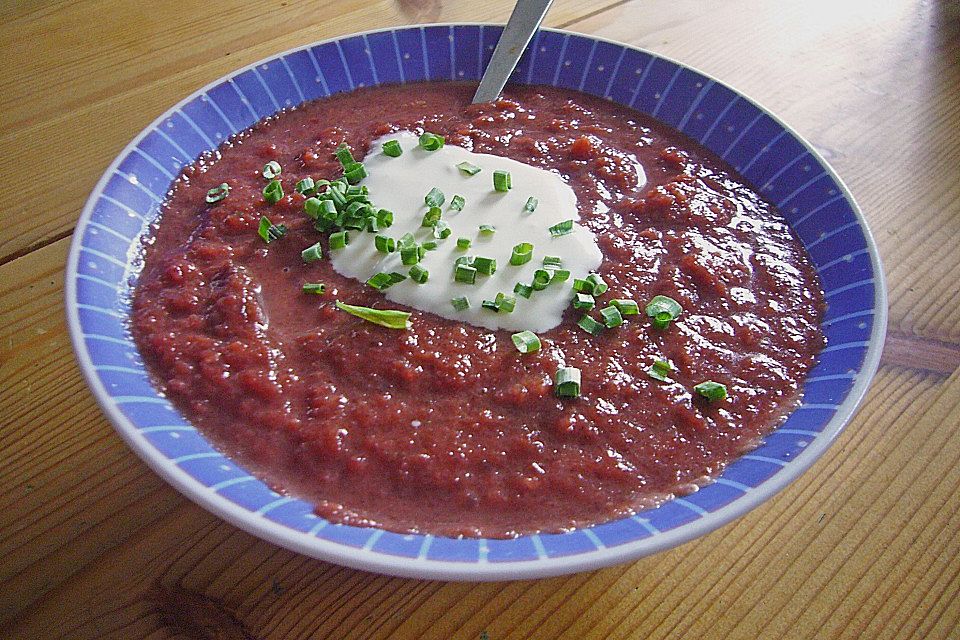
{"x":524,"y":21}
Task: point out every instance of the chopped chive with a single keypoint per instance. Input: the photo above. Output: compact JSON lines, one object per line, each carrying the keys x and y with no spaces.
{"x":712,"y":391}
{"x":406,"y":240}
{"x":305,"y":186}
{"x":660,"y":370}
{"x":506,"y":303}
{"x":315,"y":288}
{"x":384,"y":218}
{"x":344,"y":155}
{"x":273,"y":192}
{"x":269,"y":231}
{"x":312,"y":253}
{"x":392,"y":148}
{"x":531,"y":204}
{"x":591,"y":326}
{"x":431,"y":217}
{"x":526,"y":341}
{"x":486,"y":266}
{"x":389,"y":318}
{"x":521,"y":254}
{"x":272,"y":169}
{"x":541,"y":278}
{"x":460,"y":303}
{"x":434,"y":198}
{"x":354,"y":172}
{"x":339,"y":240}
{"x":431,"y":141}
{"x":465,"y":273}
{"x":501,"y":181}
{"x":218,"y":193}
{"x":522,"y":290}
{"x":663,"y":310}
{"x":457,"y":202}
{"x":385,"y":244}
{"x":418,"y":274}
{"x":561,"y":228}
{"x":491,"y":304}
{"x":421,"y":251}
{"x":487,"y":229}
{"x":552,"y":262}
{"x":599,"y":286}
{"x":463,"y":243}
{"x":583,"y":301}
{"x":611,"y":316}
{"x":566,"y":383}
{"x":626,"y":307}
{"x":560,"y":275}
{"x":381,"y":281}
{"x":430,"y":245}
{"x":410,"y":254}
{"x":468,"y":168}
{"x":441,"y":230}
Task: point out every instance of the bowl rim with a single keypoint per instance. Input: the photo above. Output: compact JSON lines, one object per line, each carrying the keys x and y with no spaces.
{"x":423,"y":568}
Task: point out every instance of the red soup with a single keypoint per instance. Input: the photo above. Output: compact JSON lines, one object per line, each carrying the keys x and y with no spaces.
{"x":445,"y":428}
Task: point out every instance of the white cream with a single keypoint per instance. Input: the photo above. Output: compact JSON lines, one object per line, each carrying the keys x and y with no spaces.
{"x":400,"y":184}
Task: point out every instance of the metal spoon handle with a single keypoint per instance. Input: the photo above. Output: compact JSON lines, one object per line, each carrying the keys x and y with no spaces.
{"x":524,"y":21}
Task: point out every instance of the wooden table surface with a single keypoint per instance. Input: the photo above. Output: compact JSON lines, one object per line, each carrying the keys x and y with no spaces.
{"x":865,"y":544}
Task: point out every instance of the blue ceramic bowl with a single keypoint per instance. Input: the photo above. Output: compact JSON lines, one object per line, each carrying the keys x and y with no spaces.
{"x":102,"y":268}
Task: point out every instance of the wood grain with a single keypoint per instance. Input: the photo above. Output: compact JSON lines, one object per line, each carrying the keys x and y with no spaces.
{"x":864,"y":545}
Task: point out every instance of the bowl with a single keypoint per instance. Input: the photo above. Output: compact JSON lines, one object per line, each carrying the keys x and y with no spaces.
{"x":782,"y":166}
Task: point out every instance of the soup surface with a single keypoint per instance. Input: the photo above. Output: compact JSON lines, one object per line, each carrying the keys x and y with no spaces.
{"x":444,"y":427}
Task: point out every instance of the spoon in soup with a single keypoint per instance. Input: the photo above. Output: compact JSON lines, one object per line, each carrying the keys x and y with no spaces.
{"x":524,"y":22}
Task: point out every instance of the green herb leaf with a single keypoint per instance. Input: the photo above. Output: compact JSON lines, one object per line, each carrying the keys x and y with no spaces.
{"x":431,"y":141}
{"x":626,"y":307}
{"x":389,"y":318}
{"x":531,"y":204}
{"x":660,"y":370}
{"x":611,"y":316}
{"x":712,"y":391}
{"x":392,"y":148}
{"x":314,"y":288}
{"x":460,"y":303}
{"x":526,"y":341}
{"x":273,"y":192}
{"x":218,"y":193}
{"x":561,"y":228}
{"x":663,"y":310}
{"x":272,"y":169}
{"x":521,"y":254}
{"x":457,"y":202}
{"x":590,"y":325}
{"x":502,"y":181}
{"x":305,"y":186}
{"x":434,"y":198}
{"x":312,"y":253}
{"x":418,"y":274}
{"x":269,"y":231}
{"x":566,"y":382}
{"x":468,"y":168}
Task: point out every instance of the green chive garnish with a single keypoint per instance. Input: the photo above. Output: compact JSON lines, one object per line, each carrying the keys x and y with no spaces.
{"x":344,"y":156}
{"x":506,"y":303}
{"x":521,"y":254}
{"x":590,"y":325}
{"x":457,"y":202}
{"x":487,"y":229}
{"x":431,"y":217}
{"x":660,"y":370}
{"x":384,"y":244}
{"x":541,"y":278}
{"x":410,"y":254}
{"x":460,"y":304}
{"x":273,"y":192}
{"x":465,"y":273}
{"x":468,"y":168}
{"x":312,"y":253}
{"x":561,"y":228}
{"x":712,"y":391}
{"x":626,"y":307}
{"x":418,"y":274}
{"x":463,"y":243}
{"x":389,"y":318}
{"x":501,"y":181}
{"x":218,"y":193}
{"x":381,"y":281}
{"x":384,"y":218}
{"x":431,"y":141}
{"x":315,"y":288}
{"x":531,"y":204}
{"x":486,"y":266}
{"x":441,"y":230}
{"x":434,"y":198}
{"x":339,"y":240}
{"x":611,"y":316}
{"x":583,"y":301}
{"x":663,"y":310}
{"x":566,"y":383}
{"x":526,"y":341}
{"x":392,"y":148}
{"x":354,"y":172}
{"x":560,"y":275}
{"x":552,"y":262}
{"x":430,"y":245}
{"x":269,"y":231}
{"x":522,"y":290}
{"x":597,"y":283}
{"x":305,"y":186}
{"x":272,"y":169}
{"x":406,"y":240}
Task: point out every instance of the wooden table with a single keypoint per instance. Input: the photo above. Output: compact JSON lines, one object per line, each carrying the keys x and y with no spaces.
{"x":93,"y":544}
